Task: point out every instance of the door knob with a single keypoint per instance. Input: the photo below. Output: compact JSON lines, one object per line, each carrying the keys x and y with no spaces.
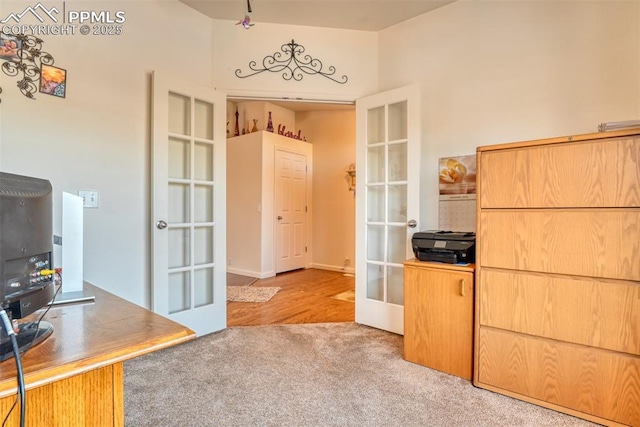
{"x":161,"y":225}
{"x":279,"y":217}
{"x":412,"y":223}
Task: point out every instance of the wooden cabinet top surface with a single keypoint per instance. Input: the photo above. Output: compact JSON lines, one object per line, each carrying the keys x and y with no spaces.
{"x":469,"y":268}
{"x":88,"y":336}
{"x":563,"y":139}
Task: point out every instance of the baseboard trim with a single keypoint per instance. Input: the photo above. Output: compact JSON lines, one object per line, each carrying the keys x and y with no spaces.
{"x":349,"y":270}
{"x":250,"y":273}
{"x":266,"y":275}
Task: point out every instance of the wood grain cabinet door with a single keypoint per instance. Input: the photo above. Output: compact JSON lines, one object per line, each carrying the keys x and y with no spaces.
{"x":439,"y":319}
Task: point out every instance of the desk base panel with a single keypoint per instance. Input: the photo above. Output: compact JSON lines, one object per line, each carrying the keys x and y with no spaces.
{"x":94,"y":398}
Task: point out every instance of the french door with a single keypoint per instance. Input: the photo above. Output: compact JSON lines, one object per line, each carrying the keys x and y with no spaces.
{"x":189,"y":208}
{"x":387,"y":202}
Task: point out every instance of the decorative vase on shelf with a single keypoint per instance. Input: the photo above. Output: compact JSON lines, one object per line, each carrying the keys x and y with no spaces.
{"x":236,"y":132}
{"x":255,"y":126}
{"x":269,"y":124}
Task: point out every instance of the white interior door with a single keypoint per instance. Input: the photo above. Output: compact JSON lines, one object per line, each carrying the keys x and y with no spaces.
{"x":387,"y":202}
{"x":189,"y":208}
{"x":291,"y":210}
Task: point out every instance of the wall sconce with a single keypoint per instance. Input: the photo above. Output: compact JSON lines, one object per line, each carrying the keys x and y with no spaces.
{"x":351,"y":178}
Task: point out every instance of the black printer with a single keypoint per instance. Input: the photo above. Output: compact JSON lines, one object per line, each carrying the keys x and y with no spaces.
{"x":444,"y":246}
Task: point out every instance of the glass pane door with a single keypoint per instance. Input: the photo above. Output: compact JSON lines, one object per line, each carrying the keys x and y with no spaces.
{"x":386,"y":193}
{"x":387,"y":203}
{"x":191,"y":224}
{"x":188,"y":236}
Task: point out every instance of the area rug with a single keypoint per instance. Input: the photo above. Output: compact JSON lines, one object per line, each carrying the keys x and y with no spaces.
{"x":238,"y":280}
{"x":250,"y":293}
{"x":349,"y":296}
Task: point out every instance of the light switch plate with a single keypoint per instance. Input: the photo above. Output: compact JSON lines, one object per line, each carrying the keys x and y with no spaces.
{"x":89,"y":198}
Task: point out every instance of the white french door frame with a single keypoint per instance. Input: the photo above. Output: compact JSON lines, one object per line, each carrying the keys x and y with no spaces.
{"x":201,"y":231}
{"x":385,"y":311}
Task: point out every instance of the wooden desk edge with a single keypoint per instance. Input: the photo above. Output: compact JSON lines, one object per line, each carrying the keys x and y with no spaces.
{"x":440,"y":265}
{"x":50,"y":374}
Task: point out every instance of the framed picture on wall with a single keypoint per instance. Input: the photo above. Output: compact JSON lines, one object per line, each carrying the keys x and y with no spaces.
{"x":457,"y":184}
{"x":9,"y":46}
{"x":457,"y":177}
{"x":53,"y":81}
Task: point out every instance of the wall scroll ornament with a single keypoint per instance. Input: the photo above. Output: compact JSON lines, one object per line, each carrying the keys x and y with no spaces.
{"x":23,"y":57}
{"x":292,"y":64}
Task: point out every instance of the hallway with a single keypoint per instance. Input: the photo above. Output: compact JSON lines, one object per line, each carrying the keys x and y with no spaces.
{"x":305,"y":296}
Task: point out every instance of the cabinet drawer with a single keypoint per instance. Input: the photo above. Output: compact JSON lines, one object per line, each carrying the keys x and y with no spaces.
{"x":585,"y":379}
{"x":579,"y":310}
{"x":599,"y":243}
{"x":602,"y":173}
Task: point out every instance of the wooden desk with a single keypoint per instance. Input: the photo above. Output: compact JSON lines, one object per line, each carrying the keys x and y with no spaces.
{"x":75,"y":377}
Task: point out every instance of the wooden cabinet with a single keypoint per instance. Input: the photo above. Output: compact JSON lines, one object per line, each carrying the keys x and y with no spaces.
{"x":558,"y":274}
{"x":438,"y":316}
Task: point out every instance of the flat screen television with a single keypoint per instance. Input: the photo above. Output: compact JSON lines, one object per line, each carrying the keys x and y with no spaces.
{"x":26,"y":249}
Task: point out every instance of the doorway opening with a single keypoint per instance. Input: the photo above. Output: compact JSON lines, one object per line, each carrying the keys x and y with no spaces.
{"x":329,"y":128}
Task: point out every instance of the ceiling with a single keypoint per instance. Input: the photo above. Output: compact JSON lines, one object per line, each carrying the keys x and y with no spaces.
{"x":364,"y":15}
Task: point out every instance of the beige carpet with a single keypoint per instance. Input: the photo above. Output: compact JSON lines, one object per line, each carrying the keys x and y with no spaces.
{"x":314,"y":375}
{"x":250,"y":293}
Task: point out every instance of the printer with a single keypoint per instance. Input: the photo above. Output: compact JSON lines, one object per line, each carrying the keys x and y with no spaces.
{"x":444,"y":246}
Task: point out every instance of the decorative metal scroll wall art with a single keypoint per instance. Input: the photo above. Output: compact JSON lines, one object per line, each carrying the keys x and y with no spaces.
{"x":25,"y":60}
{"x":292,"y":64}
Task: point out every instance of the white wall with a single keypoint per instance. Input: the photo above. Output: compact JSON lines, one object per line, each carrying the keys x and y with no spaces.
{"x":490,"y":71}
{"x":332,"y":134}
{"x":494,"y":72}
{"x":251,"y":200}
{"x":244,"y":204}
{"x":98,"y":136}
{"x":352,"y":53}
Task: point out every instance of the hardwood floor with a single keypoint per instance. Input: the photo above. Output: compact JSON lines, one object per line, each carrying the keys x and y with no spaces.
{"x":305,"y":296}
